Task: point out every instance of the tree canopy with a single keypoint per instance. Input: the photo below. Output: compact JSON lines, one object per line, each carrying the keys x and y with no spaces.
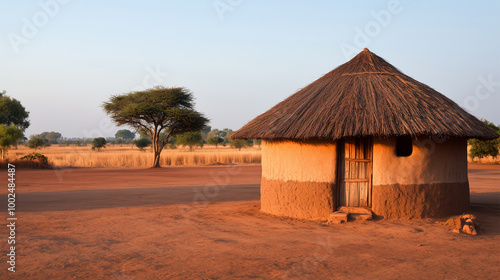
{"x":52,"y":136}
{"x":13,"y":122}
{"x":142,"y":143}
{"x":125,"y":134}
{"x":9,"y":136}
{"x":157,"y":110}
{"x":13,"y":112}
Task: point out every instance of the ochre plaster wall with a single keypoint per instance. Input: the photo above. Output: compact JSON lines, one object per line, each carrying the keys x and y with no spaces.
{"x":432,"y":182}
{"x":301,"y":162}
{"x":298,"y":179}
{"x":430,"y":162}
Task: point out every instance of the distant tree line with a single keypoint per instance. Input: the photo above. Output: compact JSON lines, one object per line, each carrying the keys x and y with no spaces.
{"x":191,"y":139}
{"x":194,"y":139}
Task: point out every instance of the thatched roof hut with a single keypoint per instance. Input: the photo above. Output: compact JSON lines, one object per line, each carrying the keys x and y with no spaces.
{"x":365,"y":135}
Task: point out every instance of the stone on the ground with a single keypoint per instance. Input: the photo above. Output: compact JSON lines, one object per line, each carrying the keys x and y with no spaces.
{"x":355,"y":210}
{"x":469,"y":229}
{"x":338,"y":217}
{"x":469,"y":216}
{"x":360,"y":217}
{"x":466,"y":224}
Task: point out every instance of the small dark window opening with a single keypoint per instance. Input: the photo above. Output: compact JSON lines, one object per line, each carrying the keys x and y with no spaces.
{"x":404,"y":147}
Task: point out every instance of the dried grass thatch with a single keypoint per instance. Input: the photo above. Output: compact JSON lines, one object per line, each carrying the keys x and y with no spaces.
{"x":365,"y":96}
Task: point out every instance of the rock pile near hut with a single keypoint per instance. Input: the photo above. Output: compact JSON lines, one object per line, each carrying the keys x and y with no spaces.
{"x":466,"y":224}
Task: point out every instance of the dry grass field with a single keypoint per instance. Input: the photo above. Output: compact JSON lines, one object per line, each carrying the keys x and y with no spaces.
{"x":130,"y":156}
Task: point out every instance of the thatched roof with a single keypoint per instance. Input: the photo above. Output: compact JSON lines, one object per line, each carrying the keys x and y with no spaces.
{"x":365,"y":96}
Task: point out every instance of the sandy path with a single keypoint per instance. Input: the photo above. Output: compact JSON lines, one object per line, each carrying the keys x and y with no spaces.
{"x":102,"y":226}
{"x":125,"y":178}
{"x":132,"y":197}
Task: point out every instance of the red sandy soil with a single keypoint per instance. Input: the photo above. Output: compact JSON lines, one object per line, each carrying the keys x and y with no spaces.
{"x":204,"y":223}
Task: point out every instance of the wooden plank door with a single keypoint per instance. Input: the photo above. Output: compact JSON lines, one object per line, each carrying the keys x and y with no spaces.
{"x":355,"y":172}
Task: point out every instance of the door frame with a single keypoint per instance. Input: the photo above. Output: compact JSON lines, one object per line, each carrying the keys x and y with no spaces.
{"x":341,"y":169}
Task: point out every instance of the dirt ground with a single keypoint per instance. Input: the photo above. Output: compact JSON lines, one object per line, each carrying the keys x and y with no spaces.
{"x":204,"y":223}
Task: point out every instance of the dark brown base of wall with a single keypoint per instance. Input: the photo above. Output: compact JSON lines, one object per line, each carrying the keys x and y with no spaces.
{"x":302,"y":200}
{"x":420,"y":201}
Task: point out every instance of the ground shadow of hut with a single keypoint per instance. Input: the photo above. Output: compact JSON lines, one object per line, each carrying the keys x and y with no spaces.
{"x":365,"y":135}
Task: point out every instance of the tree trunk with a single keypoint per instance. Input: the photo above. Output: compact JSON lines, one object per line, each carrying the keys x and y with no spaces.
{"x":157,"y":159}
{"x":157,"y":148}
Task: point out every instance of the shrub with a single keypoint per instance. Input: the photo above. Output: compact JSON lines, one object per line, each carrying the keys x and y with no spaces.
{"x":36,"y":142}
{"x":190,"y":139}
{"x":33,"y":160}
{"x":142,"y":143}
{"x":240,"y":143}
{"x":214,"y":140}
{"x":98,"y":143}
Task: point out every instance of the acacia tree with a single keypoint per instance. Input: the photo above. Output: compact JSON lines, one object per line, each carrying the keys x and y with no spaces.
{"x":154,"y":111}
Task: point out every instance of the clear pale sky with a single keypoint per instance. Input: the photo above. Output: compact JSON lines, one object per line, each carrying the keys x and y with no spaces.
{"x":62,"y":59}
